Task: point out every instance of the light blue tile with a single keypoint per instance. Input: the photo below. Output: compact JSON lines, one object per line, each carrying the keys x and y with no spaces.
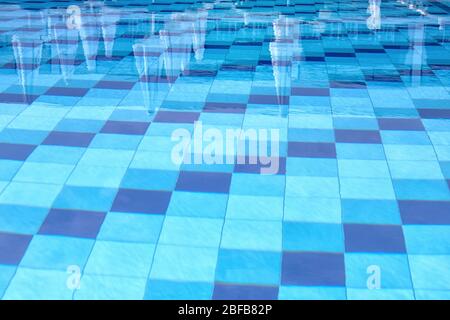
{"x":311,"y":293}
{"x":154,"y":160}
{"x":362,"y":188}
{"x":432,"y":294}
{"x":363,"y":169}
{"x":99,"y":287}
{"x":192,"y":204}
{"x":184,"y":263}
{"x":190,"y":231}
{"x":54,"y":252}
{"x":427,"y":239}
{"x":326,"y":210}
{"x":96,"y":176}
{"x":317,"y":237}
{"x":393,"y":137}
{"x":381,"y":294}
{"x":360,"y":151}
{"x":8,"y":168}
{"x":107,"y":157}
{"x":56,"y":154}
{"x":393,"y":270}
{"x":6,"y":274}
{"x":85,"y":198}
{"x":410,"y":152}
{"x":249,"y":267}
{"x":34,"y":284}
{"x":311,"y":167}
{"x":421,"y":189}
{"x":31,"y":194}
{"x":258,"y":185}
{"x":150,"y":179}
{"x":255,"y":207}
{"x":116,"y":141}
{"x":312,"y":187}
{"x":430,"y":271}
{"x":21,"y":219}
{"x":252,"y":235}
{"x":170,"y":290}
{"x":370,"y":211}
{"x":131,"y":227}
{"x":43,"y":172}
{"x":415,"y":170}
{"x":112,"y":258}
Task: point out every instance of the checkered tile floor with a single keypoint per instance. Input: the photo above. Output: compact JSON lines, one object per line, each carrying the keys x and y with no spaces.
{"x":92,"y":207}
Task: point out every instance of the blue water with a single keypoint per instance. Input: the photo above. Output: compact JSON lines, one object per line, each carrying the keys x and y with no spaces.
{"x":119,"y":178}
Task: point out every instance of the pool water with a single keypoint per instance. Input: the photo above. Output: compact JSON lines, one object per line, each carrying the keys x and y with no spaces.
{"x":120,"y":177}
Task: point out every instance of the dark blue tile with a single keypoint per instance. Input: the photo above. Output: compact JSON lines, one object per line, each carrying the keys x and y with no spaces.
{"x":357,"y":136}
{"x":311,"y":149}
{"x":204,"y":181}
{"x":313,"y":269}
{"x":125,"y":127}
{"x":141,"y":201}
{"x":374,"y":238}
{"x":12,"y":151}
{"x":244,"y":292}
{"x":400,"y":124}
{"x":13,"y":247}
{"x":69,"y":139}
{"x":73,"y":223}
{"x":424,"y":212}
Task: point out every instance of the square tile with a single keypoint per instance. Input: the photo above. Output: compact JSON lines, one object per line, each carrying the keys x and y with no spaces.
{"x":111,"y":258}
{"x":51,"y":252}
{"x":313,"y":269}
{"x":13,"y":247}
{"x":85,"y":224}
{"x":180,"y":263}
{"x":141,"y":201}
{"x":374,"y":238}
{"x":251,"y":235}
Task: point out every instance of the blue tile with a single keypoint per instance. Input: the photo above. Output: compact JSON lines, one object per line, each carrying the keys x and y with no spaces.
{"x":54,"y":252}
{"x":36,"y":284}
{"x":21,"y":219}
{"x":184,"y":263}
{"x":131,"y":227}
{"x":422,"y":266}
{"x":370,"y":211}
{"x":313,"y":269}
{"x":393,"y":270}
{"x":248,"y":267}
{"x":311,"y":293}
{"x":100,"y":287}
{"x":192,"y":204}
{"x":120,"y":259}
{"x":150,"y":179}
{"x":85,"y":198}
{"x":244,"y":292}
{"x":427,"y":239}
{"x":43,"y":172}
{"x":326,"y":210}
{"x":374,"y":238}
{"x":6,"y":274}
{"x":188,"y":231}
{"x":30,"y":194}
{"x":319,"y":237}
{"x":251,"y":235}
{"x":421,"y":189}
{"x":255,"y":207}
{"x":169,"y":290}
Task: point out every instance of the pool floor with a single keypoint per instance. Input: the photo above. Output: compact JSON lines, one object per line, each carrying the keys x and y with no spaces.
{"x":120,"y":177}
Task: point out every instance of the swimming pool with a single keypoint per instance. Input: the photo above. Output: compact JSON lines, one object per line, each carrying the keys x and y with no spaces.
{"x":189,"y":149}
